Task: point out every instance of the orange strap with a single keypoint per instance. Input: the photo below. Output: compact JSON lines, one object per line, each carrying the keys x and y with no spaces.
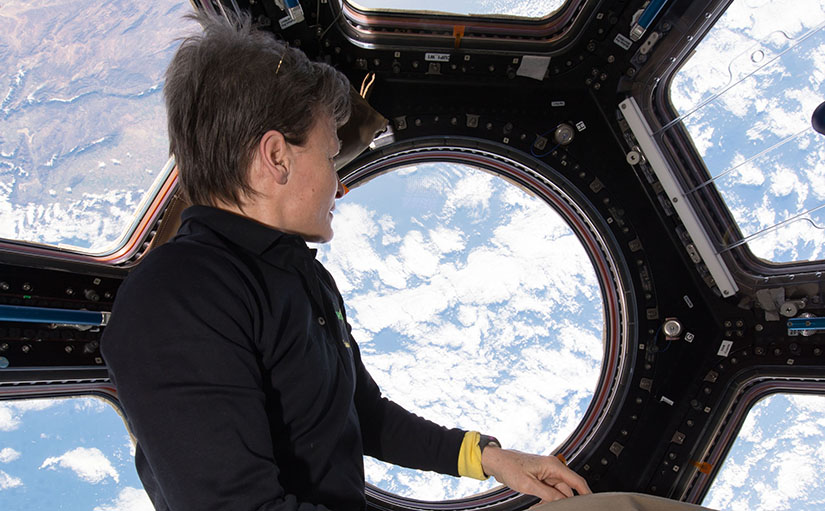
{"x":458,"y":33}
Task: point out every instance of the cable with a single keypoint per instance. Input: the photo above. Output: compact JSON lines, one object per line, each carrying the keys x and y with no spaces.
{"x":532,"y":147}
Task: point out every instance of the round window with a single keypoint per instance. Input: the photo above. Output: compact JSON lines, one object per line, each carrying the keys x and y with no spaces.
{"x":475,"y":305}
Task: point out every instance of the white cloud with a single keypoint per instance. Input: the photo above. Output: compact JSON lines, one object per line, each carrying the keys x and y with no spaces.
{"x":7,"y":455}
{"x":90,"y":404}
{"x":784,"y":182}
{"x":472,"y":192}
{"x":90,"y":464}
{"x":8,"y":420}
{"x":11,"y":412}
{"x":747,"y":173}
{"x":129,"y":499}
{"x":418,"y":256}
{"x":8,"y":482}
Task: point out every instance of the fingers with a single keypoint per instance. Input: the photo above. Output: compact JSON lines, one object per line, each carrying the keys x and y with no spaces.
{"x":578,"y":483}
{"x":572,"y":480}
{"x":545,"y":492}
{"x":566,"y":490}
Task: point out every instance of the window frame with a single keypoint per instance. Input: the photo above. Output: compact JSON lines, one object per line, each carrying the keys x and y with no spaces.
{"x":391,"y":29}
{"x":131,"y":244}
{"x":651,"y":89}
{"x":720,"y":439}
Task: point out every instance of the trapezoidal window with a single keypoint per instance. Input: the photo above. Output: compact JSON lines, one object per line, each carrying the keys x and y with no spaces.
{"x":475,"y":305}
{"x":82,"y":125}
{"x":746,"y":97}
{"x":776,"y":461}
{"x":67,"y":453}
{"x":494,"y":8}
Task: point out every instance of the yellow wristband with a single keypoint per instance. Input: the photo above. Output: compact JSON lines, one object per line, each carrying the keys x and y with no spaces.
{"x":469,"y":457}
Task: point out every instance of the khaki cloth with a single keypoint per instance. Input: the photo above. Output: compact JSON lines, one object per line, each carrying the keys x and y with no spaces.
{"x":617,"y":502}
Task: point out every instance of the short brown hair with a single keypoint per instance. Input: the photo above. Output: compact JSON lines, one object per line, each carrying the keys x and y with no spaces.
{"x":225,"y":88}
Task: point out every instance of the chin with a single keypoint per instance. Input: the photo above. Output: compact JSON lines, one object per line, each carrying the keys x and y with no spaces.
{"x":318,"y":238}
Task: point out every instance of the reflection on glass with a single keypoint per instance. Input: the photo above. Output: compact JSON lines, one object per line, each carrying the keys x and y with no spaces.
{"x":475,"y":306}
{"x":72,"y":454}
{"x":776,"y":461}
{"x":82,"y":124}
{"x":746,"y":98}
{"x":521,"y":8}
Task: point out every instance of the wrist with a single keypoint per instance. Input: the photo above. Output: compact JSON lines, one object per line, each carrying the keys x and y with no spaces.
{"x":489,"y":454}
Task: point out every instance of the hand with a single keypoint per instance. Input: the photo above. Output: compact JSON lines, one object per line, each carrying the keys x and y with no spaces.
{"x":546,"y":477}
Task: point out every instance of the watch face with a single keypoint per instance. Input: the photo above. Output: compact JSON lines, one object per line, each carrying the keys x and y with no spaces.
{"x":486,"y":440}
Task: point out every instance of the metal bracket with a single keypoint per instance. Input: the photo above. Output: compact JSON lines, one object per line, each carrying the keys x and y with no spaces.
{"x":641,"y":130}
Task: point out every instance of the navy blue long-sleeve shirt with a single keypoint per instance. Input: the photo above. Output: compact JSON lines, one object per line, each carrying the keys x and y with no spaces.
{"x":235,"y":366}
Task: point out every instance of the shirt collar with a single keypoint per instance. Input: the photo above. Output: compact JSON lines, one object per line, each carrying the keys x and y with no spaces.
{"x":241,"y":230}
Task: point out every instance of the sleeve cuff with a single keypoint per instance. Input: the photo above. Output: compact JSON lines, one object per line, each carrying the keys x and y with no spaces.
{"x":469,"y":457}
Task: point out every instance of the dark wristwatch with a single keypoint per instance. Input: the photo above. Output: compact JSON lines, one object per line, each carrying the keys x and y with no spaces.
{"x":486,"y":440}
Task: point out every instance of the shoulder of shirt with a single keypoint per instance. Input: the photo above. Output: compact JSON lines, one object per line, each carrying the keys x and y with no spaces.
{"x":191,"y":259}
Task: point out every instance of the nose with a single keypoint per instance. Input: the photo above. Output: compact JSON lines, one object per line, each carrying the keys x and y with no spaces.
{"x":342,"y":190}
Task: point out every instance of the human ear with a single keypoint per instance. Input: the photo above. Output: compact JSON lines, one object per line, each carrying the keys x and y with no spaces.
{"x":274,"y":156}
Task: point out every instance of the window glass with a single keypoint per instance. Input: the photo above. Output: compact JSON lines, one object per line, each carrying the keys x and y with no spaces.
{"x":70,"y":454}
{"x":82,"y":124}
{"x":746,"y":97}
{"x":475,"y":306}
{"x":521,"y":8}
{"x":776,"y":461}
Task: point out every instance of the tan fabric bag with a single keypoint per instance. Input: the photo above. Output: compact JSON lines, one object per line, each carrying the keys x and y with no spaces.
{"x":611,"y":501}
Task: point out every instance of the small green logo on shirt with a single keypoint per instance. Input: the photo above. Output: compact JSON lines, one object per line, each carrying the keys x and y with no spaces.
{"x":340,"y":316}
